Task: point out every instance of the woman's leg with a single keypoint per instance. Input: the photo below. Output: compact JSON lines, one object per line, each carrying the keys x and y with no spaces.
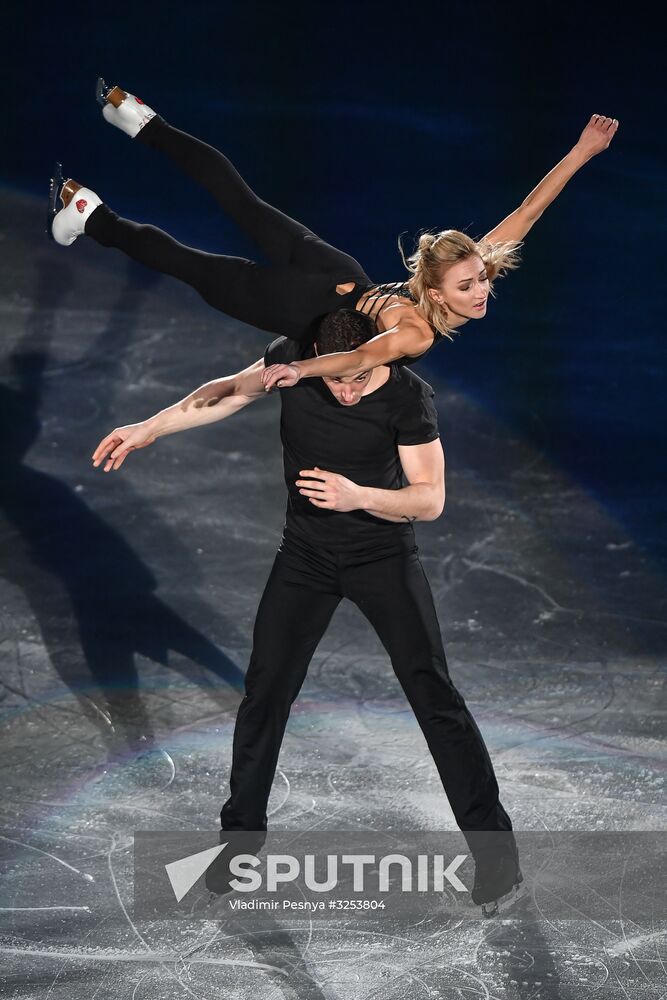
{"x":150,"y":246}
{"x":284,"y":241}
{"x":280,"y":300}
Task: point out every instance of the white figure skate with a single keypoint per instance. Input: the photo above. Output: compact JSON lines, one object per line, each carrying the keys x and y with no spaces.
{"x":125,"y":111}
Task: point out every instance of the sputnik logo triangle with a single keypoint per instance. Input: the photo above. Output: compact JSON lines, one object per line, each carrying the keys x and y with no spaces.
{"x":184,"y":873}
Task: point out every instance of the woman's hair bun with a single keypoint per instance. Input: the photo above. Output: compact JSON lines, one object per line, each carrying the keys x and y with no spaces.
{"x":426,"y":241}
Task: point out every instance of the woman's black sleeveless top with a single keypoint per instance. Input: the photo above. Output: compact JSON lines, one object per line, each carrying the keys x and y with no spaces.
{"x":385,"y":291}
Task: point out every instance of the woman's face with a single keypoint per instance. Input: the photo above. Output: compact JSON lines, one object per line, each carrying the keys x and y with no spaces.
{"x":464,"y":290}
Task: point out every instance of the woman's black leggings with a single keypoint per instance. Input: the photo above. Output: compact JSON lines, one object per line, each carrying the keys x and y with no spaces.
{"x":287,"y":296}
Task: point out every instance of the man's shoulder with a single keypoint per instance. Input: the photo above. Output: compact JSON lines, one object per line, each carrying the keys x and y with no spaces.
{"x":282,"y":351}
{"x":409,"y":383}
{"x":414,"y":412}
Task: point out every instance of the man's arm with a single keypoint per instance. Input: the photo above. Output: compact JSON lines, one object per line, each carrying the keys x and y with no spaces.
{"x":593,"y":140}
{"x":422,"y":500}
{"x":210,"y":402}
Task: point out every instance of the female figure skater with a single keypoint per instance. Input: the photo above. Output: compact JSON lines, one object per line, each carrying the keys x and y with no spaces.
{"x":306,"y":278}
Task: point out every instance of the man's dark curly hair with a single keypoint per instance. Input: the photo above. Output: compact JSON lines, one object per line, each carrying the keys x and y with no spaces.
{"x":344,"y":330}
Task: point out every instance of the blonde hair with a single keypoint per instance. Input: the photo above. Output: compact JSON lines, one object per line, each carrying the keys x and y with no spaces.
{"x":436,"y":252}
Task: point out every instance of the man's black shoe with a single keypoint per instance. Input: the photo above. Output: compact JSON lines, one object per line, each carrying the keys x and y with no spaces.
{"x":498,"y":881}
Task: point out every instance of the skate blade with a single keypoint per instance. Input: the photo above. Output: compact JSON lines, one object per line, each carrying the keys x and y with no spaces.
{"x":55,"y":187}
{"x":498,"y":906}
{"x":101,"y":91}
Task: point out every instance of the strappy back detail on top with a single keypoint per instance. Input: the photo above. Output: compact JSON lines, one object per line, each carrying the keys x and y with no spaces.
{"x":387,"y":291}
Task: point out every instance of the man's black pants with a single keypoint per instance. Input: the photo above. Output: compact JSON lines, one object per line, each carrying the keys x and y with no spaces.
{"x":303,"y":590}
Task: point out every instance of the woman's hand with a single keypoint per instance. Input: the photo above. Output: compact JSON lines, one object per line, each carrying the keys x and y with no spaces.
{"x":597,"y":135}
{"x":115,"y":447}
{"x":282,"y":376}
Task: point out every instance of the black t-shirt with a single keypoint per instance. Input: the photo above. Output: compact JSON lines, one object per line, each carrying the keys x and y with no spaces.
{"x":359,"y":442}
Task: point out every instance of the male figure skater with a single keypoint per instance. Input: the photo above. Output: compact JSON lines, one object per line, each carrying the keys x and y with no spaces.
{"x":349,"y":445}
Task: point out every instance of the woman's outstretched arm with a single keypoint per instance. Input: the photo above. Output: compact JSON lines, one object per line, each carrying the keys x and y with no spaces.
{"x":593,"y":140}
{"x":410,"y":341}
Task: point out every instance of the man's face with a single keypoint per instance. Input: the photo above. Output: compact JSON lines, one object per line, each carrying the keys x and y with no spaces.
{"x":348,"y":389}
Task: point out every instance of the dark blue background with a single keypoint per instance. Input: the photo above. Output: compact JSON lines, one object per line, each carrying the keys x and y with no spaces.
{"x":366,"y":121}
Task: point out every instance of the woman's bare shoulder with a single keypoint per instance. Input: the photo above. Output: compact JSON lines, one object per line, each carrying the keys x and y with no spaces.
{"x":407,"y":315}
